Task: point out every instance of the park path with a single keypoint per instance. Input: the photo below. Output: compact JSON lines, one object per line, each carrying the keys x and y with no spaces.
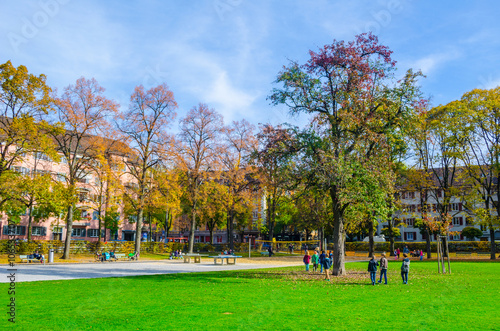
{"x":38,"y":272}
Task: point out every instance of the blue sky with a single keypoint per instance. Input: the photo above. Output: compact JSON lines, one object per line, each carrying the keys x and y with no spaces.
{"x":227,"y":53}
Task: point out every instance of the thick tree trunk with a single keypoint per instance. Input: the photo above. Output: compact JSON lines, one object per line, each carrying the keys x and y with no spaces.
{"x":211,"y":236}
{"x":371,"y":242}
{"x":492,"y":242}
{"x":338,"y":267}
{"x":69,"y":229}
{"x":428,"y":242}
{"x":138,"y":231}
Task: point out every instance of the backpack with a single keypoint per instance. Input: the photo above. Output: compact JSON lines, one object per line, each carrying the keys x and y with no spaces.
{"x":406,"y":266}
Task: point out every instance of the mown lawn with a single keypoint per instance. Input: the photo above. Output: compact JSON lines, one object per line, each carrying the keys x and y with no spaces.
{"x":272,"y":299}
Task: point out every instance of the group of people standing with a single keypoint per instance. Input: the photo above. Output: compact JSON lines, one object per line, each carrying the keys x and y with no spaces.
{"x":415,"y":253}
{"x":372,"y":268}
{"x":323,"y":260}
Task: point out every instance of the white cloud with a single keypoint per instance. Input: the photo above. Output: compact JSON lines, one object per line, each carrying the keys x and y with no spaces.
{"x":433,"y":62}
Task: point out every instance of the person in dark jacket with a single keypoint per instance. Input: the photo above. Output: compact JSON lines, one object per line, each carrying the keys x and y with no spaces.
{"x":322,"y":260}
{"x":372,"y":269}
{"x":405,"y":268}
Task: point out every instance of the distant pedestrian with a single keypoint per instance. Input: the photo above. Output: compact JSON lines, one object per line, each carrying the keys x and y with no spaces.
{"x":372,"y":269}
{"x":315,"y":260}
{"x":405,"y":268}
{"x":406,"y":250}
{"x":307,"y":260}
{"x":327,"y":263}
{"x":398,"y":252}
{"x":321,"y":260}
{"x":383,"y":268}
{"x":270,"y":250}
{"x":421,"y":255}
{"x":330,"y":256}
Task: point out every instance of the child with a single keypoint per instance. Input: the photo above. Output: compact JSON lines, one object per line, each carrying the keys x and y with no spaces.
{"x":372,"y":269}
{"x":327,"y":263}
{"x":421,"y":255}
{"x":307,"y":260}
{"x":322,"y":258}
{"x":314,"y":260}
{"x":383,"y":268}
{"x":405,"y":268}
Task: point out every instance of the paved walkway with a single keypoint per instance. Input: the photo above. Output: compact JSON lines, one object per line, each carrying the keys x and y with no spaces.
{"x":39,"y":272}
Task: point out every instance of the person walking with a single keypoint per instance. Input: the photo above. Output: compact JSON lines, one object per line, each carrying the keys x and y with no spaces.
{"x":315,"y":260}
{"x":405,"y":268}
{"x":398,"y":252}
{"x":421,"y":255}
{"x":307,"y":260}
{"x":383,"y":268}
{"x":372,"y":269}
{"x":327,"y":263}
{"x":321,"y":261}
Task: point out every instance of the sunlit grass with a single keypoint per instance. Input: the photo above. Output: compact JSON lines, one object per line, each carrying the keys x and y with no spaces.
{"x":268,"y":299}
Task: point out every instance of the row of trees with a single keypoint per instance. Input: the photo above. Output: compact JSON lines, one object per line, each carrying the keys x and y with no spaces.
{"x":369,"y":135}
{"x":138,"y":168}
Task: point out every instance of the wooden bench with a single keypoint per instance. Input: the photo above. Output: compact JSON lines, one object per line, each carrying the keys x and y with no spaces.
{"x":264,"y":253}
{"x":463,"y":253}
{"x":196,"y":258}
{"x":483,"y":253}
{"x":228,"y":258}
{"x":30,"y":259}
{"x":121,"y":256}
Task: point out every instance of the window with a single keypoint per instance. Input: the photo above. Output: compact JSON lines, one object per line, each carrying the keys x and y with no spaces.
{"x":78,"y":232}
{"x":483,"y":227}
{"x":61,"y":177}
{"x":83,"y":196}
{"x":458,"y":221}
{"x":219,"y":239}
{"x":57,"y":230}
{"x":457,"y":237}
{"x":132,"y":218}
{"x":84,"y":214}
{"x":64,"y":160}
{"x":438,"y":193}
{"x":409,"y":235}
{"x":21,"y":170}
{"x":38,"y":231}
{"x":403,"y":195}
{"x":95,"y":215}
{"x":255,"y":214}
{"x":93,"y":233}
{"x":412,"y":208}
{"x":456,"y":206}
{"x":411,"y":195}
{"x":14,"y":230}
{"x":39,"y":172}
{"x":434,"y":207}
{"x":42,"y":156}
{"x":410,"y":222}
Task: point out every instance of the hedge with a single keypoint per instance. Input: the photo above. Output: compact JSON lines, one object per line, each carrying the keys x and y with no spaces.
{"x":463,"y":246}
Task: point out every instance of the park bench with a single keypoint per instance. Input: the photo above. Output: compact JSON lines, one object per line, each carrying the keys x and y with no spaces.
{"x":30,"y":259}
{"x":483,"y":253}
{"x":463,"y":253}
{"x":264,"y":253}
{"x":228,"y":258}
{"x":196,"y":258}
{"x":120,"y":256}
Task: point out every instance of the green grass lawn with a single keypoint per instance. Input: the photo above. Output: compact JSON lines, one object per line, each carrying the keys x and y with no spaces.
{"x":283,"y":299}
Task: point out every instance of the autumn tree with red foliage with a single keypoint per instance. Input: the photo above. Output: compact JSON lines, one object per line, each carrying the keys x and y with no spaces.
{"x":354,"y":103}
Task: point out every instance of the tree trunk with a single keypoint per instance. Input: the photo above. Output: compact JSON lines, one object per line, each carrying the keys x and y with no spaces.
{"x":69,"y":229}
{"x":138,"y":231}
{"x":371,"y":242}
{"x":30,"y":221}
{"x":211,"y":236}
{"x":230,"y":229}
{"x":191,"y":231}
{"x":150,"y":228}
{"x":428,"y":242}
{"x":338,"y":268}
{"x":391,"y":237}
{"x":492,"y":242}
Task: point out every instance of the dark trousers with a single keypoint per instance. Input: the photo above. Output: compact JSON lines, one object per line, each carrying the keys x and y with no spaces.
{"x":373,"y":276}
{"x":404,"y":275}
